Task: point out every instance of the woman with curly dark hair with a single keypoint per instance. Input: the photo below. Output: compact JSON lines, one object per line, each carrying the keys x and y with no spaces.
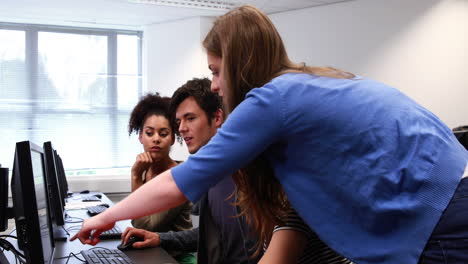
{"x":151,"y":120}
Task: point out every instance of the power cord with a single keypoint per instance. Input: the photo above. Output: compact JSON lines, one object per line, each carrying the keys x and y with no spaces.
{"x":71,"y":221}
{"x":64,"y":229}
{"x":74,"y":228}
{"x":6,"y":245}
{"x":75,"y":255}
{"x":10,"y":236}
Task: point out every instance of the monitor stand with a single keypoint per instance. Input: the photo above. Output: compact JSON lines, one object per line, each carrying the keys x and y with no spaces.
{"x":59,"y":233}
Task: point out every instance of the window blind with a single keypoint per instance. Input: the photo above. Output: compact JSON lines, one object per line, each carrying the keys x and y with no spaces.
{"x":74,"y":87}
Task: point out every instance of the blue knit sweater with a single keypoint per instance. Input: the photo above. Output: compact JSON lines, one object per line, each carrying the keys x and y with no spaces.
{"x":366,"y":167}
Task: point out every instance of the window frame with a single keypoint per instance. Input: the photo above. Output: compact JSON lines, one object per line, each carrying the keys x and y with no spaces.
{"x":32,"y":58}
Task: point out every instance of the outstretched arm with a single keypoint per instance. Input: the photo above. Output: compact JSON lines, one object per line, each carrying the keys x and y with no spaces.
{"x":159,"y":194}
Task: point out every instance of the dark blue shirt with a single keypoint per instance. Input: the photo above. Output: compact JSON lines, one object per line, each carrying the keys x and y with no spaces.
{"x":232,"y":231}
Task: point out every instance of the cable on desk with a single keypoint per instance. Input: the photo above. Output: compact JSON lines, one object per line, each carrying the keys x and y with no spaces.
{"x":64,"y":229}
{"x":74,"y":255}
{"x":5,"y":236}
{"x":80,"y":220}
{"x":74,"y":228}
{"x":19,"y":260}
{"x":8,"y":236}
{"x":6,"y":245}
{"x":69,"y":256}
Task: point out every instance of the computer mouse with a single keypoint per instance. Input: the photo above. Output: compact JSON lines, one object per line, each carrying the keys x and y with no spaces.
{"x":84,"y":191}
{"x":98,"y":196}
{"x":130,"y":241}
{"x":105,"y":205}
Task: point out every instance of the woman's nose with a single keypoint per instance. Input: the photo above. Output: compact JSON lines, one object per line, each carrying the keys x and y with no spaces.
{"x":156,"y":138}
{"x":214,"y":87}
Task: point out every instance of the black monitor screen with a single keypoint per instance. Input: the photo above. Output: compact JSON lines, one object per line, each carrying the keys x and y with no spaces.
{"x":462,"y":137}
{"x":56,"y":199}
{"x":61,"y":176}
{"x":29,"y":193}
{"x":3,"y":199}
{"x":41,"y":203}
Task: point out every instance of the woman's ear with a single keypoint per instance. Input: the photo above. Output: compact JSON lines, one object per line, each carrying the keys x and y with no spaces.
{"x":140,"y":137}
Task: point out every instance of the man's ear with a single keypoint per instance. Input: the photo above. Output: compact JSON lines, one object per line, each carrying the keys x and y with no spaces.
{"x":219,"y":117}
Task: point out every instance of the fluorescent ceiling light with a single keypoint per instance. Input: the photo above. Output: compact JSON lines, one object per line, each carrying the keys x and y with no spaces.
{"x":199,"y":4}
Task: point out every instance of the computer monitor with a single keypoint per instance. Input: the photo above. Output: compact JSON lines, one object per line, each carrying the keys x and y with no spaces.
{"x":3,"y":199}
{"x":30,"y":203}
{"x":61,"y":176}
{"x":461,"y":133}
{"x":5,"y":211}
{"x":56,"y":199}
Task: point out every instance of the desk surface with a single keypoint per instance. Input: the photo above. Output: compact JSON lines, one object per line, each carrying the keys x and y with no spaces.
{"x":64,"y":248}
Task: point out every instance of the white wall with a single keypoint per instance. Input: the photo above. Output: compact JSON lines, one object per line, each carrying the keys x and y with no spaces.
{"x":417,"y":46}
{"x":173,"y":54}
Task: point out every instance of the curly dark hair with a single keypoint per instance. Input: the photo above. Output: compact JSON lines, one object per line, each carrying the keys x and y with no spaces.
{"x":150,"y":104}
{"x":199,"y":89}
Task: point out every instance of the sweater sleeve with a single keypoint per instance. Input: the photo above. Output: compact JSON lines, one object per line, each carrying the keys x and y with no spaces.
{"x":249,"y":130}
{"x":186,"y":241}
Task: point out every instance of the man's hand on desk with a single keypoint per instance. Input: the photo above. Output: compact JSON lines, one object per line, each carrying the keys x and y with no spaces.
{"x":151,"y":239}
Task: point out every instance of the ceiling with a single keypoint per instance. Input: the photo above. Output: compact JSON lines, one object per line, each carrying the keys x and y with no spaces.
{"x":125,"y":14}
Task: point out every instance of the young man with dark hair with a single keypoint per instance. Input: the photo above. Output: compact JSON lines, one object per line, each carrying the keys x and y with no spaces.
{"x":222,"y":237}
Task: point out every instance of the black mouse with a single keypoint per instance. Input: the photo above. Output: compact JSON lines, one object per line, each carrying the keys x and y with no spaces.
{"x":98,"y":196}
{"x":130,"y":241}
{"x":105,"y":205}
{"x":84,"y":191}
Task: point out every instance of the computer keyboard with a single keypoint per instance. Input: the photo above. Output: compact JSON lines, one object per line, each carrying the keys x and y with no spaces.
{"x":114,"y":233}
{"x":91,"y":198}
{"x":96,"y":209}
{"x":97,"y":256}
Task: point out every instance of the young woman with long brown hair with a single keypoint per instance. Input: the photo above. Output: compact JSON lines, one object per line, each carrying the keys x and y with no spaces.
{"x":261,"y":197}
{"x":368,"y":169}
